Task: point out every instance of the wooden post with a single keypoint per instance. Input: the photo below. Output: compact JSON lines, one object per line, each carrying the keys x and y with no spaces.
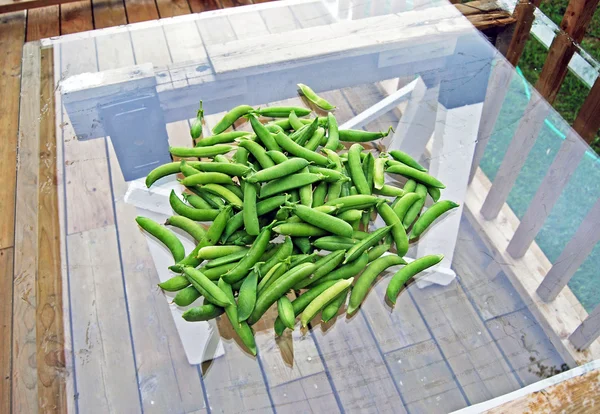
{"x":573,"y":255}
{"x":588,"y":331}
{"x":587,"y":122}
{"x":578,"y":15}
{"x":524,"y":15}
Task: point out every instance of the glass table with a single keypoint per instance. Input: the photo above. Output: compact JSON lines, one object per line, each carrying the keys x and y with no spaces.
{"x":101,"y":109}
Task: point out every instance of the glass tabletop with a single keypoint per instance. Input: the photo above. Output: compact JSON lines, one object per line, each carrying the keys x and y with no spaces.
{"x":468,"y":330}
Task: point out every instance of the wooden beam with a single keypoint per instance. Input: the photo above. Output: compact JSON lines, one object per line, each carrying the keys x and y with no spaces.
{"x":575,"y":20}
{"x":6,"y":270}
{"x":485,"y":14}
{"x":523,"y":14}
{"x":12,"y":5}
{"x":587,"y":122}
{"x":588,"y":331}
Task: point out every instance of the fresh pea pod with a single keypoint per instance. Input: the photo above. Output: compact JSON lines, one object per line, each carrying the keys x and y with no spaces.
{"x":280,"y":170}
{"x":353,"y":190}
{"x":189,"y":226}
{"x":366,"y":279}
{"x":196,"y":128}
{"x":315,"y":140}
{"x":368,"y":242}
{"x":262,"y":207}
{"x":282,"y":111}
{"x":410,"y":186}
{"x":273,"y":128}
{"x":200,"y":152}
{"x":192,"y":213}
{"x":230,"y":258}
{"x":186,"y":297}
{"x":187,"y":169}
{"x":206,"y":178}
{"x":263,"y":134}
{"x":415,"y":209}
{"x":368,"y":164}
{"x":230,"y":117}
{"x":249,"y":211}
{"x":198,"y":279}
{"x":314,"y":98}
{"x":279,"y":288}
{"x":223,"y":138}
{"x":435,"y":193}
{"x":162,"y":171}
{"x":346,"y":271}
{"x":415,"y":174}
{"x":323,"y":299}
{"x":174,"y":284}
{"x":258,"y":152}
{"x":303,"y":244}
{"x":407,"y":272}
{"x":288,"y":183}
{"x":230,"y":310}
{"x":390,"y":191}
{"x":224,"y":193}
{"x":277,"y":156}
{"x":378,"y":172}
{"x":196,"y":201}
{"x":286,"y":312}
{"x":358,"y":135}
{"x":350,"y":216}
{"x":301,"y":302}
{"x":331,"y":310}
{"x":355,"y":168}
{"x":252,"y":257}
{"x":301,"y":136}
{"x":205,"y":312}
{"x":398,"y":232}
{"x":324,"y":265}
{"x":322,"y":220}
{"x":332,"y":132}
{"x":282,"y":252}
{"x":273,"y":274}
{"x":330,"y":176}
{"x":406,"y":159}
{"x":319,"y":194}
{"x":285,"y":123}
{"x":216,"y":272}
{"x":430,"y":215}
{"x":333,"y":243}
{"x":299,"y":151}
{"x":247,"y":296}
{"x":231,"y":169}
{"x":166,"y":236}
{"x":295,"y":122}
{"x":404,"y":203}
{"x":299,"y":230}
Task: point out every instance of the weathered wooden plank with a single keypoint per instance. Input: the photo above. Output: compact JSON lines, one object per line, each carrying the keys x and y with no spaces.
{"x":50,"y":338}
{"x":423,"y":377}
{"x":587,"y":122}
{"x":524,"y":14}
{"x":234,"y":3}
{"x":108,"y":13}
{"x":42,"y":23}
{"x":578,"y":15}
{"x":12,"y":35}
{"x":588,"y":331}
{"x":556,"y":179}
{"x":76,"y":17}
{"x":171,"y":8}
{"x":573,"y":255}
{"x":516,"y":155}
{"x":198,"y":6}
{"x":106,"y":374}
{"x":526,"y":346}
{"x":24,"y":374}
{"x":140,"y":10}
{"x":6,"y":330}
{"x":474,"y":358}
{"x":15,"y":6}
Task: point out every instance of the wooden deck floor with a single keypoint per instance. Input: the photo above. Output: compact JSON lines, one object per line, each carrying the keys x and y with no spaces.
{"x":449,"y":347}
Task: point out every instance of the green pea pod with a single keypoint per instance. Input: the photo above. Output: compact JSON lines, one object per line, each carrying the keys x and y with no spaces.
{"x":215,"y":252}
{"x":332,"y":132}
{"x":368,"y":165}
{"x":314,"y":98}
{"x":350,"y":215}
{"x":435,"y":193}
{"x":288,"y":183}
{"x":319,"y":194}
{"x":233,"y":169}
{"x":189,"y":226}
{"x":378,"y":172}
{"x":263,"y":133}
{"x":230,"y":258}
{"x":346,"y":271}
{"x":356,"y":171}
{"x":333,"y":243}
{"x":230,"y":117}
{"x":390,"y":191}
{"x":224,"y":193}
{"x":196,"y":201}
{"x":376,"y":251}
{"x":324,"y":265}
{"x":357,"y":202}
{"x":223,"y":138}
{"x":187,"y":170}
{"x":192,"y":213}
{"x":273,"y":274}
{"x":249,"y":212}
{"x":398,"y":233}
{"x":205,"y":312}
{"x":358,"y":135}
{"x":410,"y":186}
{"x":162,"y":171}
{"x":366,"y":243}
{"x":407,"y":272}
{"x":323,"y":299}
{"x":292,"y":147}
{"x":283,"y":111}
{"x":314,"y":141}
{"x":247,"y":336}
{"x":430,"y":215}
{"x":301,"y":136}
{"x":166,"y":236}
{"x":301,"y":302}
{"x":200,"y":152}
{"x":323,"y":221}
{"x":286,"y":312}
{"x":330,"y":176}
{"x":415,"y":174}
{"x":280,"y":170}
{"x":247,"y":296}
{"x":366,"y":279}
{"x":201,"y":282}
{"x":214,"y":273}
{"x":174,"y":284}
{"x":331,"y":310}
{"x":295,"y":121}
{"x":303,"y":244}
{"x":256,"y":251}
{"x":277,"y":156}
{"x":415,"y":209}
{"x":186,"y":297}
{"x":299,"y":230}
{"x":258,"y":152}
{"x":206,"y":178}
{"x":196,"y":129}
{"x":406,"y":159}
{"x":262,"y":207}
{"x":404,"y":203}
{"x":283,"y":251}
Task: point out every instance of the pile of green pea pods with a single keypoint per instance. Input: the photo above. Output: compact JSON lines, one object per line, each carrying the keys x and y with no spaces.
{"x":293,"y":178}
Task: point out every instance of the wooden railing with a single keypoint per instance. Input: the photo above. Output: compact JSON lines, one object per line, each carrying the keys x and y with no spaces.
{"x":571,"y":152}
